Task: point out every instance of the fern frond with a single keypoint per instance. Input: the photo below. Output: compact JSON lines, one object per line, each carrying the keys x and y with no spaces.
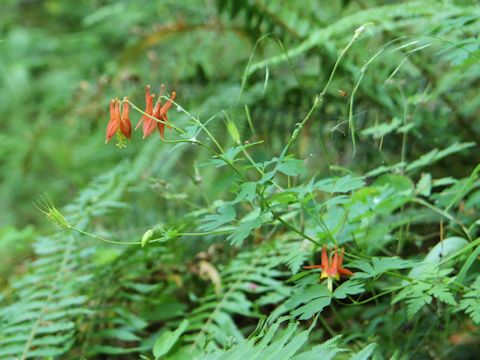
{"x":41,"y":320}
{"x":254,"y":274}
{"x":278,"y":343}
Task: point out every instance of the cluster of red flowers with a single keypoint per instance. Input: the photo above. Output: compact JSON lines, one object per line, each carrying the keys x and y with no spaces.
{"x":154,"y":117}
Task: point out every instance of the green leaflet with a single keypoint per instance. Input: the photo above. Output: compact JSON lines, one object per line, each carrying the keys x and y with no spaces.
{"x":168,"y":339}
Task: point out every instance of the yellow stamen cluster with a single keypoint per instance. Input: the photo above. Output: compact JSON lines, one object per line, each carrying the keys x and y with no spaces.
{"x":121,"y":140}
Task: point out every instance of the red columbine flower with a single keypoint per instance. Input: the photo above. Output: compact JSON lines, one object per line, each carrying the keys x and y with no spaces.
{"x":148,"y":122}
{"x":331,"y":270}
{"x":119,"y":123}
{"x":158,"y":112}
{"x":125,"y":124}
{"x":162,"y":113}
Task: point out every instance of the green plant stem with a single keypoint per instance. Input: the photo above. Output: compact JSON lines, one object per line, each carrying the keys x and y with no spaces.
{"x":444,"y":214}
{"x":96,"y":237}
{"x":206,"y":233}
{"x":327,"y":326}
{"x":363,"y":70}
{"x":320,"y":97}
{"x":254,"y":164}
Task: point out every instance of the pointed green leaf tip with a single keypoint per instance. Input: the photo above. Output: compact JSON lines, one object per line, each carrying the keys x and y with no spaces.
{"x":147,"y":237}
{"x":233,"y":131}
{"x":168,"y":339}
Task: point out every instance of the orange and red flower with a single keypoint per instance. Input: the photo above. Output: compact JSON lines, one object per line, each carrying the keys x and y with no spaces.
{"x":156,"y":116}
{"x":153,"y":117}
{"x":162,"y":113}
{"x":331,"y":269}
{"x":148,"y":122}
{"x":119,"y":123}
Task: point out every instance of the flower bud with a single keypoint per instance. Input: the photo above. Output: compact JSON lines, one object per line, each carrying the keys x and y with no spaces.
{"x":147,"y":237}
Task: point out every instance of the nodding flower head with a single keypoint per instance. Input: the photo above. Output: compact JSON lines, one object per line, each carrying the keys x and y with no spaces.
{"x":331,"y":268}
{"x":155,"y":116}
{"x":147,"y":119}
{"x":162,"y":115}
{"x":119,"y":123}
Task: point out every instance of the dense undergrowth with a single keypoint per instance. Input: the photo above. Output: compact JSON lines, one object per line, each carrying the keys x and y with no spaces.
{"x":301,"y":131}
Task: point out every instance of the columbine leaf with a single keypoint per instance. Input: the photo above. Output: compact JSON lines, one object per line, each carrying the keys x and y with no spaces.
{"x":424,"y":185}
{"x":380,"y":130}
{"x":340,"y":185}
{"x":247,"y":192}
{"x":313,"y":307}
{"x":226,"y":213}
{"x":250,"y":222}
{"x":350,"y":287}
{"x":315,"y":297}
{"x":380,"y":265}
{"x":291,"y":167}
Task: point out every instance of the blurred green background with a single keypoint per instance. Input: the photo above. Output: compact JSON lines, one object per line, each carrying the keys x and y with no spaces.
{"x":61,"y":62}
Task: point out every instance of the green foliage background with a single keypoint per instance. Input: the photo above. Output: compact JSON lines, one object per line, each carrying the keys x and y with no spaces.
{"x":386,"y":166}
